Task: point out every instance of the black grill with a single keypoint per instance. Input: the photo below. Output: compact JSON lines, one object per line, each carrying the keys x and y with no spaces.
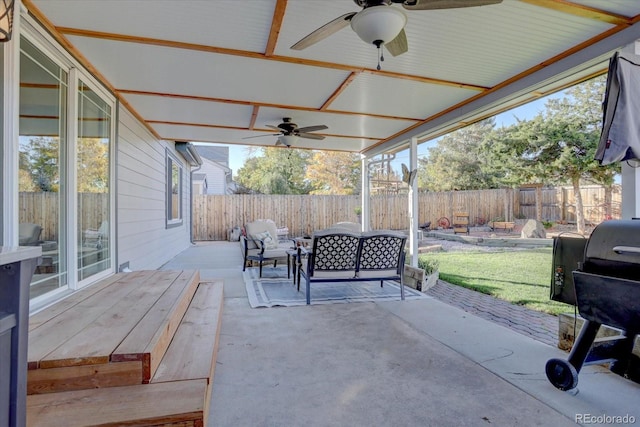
{"x":607,"y":292}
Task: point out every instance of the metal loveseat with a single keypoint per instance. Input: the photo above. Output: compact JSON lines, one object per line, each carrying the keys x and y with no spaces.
{"x":338,"y":255}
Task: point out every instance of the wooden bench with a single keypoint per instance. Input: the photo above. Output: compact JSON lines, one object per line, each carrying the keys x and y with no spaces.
{"x":461,"y":222}
{"x":502,"y":225}
{"x":127,"y":354}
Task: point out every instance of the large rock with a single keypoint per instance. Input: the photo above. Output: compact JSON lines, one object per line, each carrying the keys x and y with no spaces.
{"x":533,"y":229}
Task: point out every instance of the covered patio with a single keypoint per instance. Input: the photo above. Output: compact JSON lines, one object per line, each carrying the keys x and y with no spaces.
{"x":135,"y":82}
{"x":419,"y":362}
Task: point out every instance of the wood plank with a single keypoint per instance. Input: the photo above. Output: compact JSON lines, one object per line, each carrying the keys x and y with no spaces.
{"x":95,"y":343}
{"x":57,"y":331}
{"x":150,"y":338}
{"x":49,"y":313}
{"x":199,"y":332}
{"x":170,"y":403}
{"x":69,"y":378}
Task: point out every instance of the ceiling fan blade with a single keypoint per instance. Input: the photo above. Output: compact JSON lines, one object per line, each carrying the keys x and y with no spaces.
{"x":260,"y":136}
{"x":325,"y":31}
{"x":273,"y":127}
{"x":312,"y":128}
{"x":399,"y":45}
{"x":445,"y":4}
{"x":309,"y":135}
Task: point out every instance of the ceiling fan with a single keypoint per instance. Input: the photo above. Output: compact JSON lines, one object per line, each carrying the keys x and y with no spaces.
{"x":379,"y":23}
{"x":289,"y":132}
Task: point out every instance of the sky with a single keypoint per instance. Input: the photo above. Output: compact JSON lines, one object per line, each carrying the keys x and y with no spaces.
{"x":238,"y":153}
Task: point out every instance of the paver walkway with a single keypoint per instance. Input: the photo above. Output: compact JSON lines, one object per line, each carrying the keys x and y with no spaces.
{"x":539,"y":326}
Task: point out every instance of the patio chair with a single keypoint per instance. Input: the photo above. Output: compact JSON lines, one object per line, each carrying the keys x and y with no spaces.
{"x":29,"y":234}
{"x":260,"y":243}
{"x":96,"y":238}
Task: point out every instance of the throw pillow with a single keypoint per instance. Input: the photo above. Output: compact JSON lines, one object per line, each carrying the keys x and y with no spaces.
{"x":265,"y":236}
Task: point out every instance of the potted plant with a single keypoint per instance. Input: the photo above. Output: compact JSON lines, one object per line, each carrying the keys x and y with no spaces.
{"x":422,"y":277}
{"x":358,"y":211}
{"x":432,"y":274}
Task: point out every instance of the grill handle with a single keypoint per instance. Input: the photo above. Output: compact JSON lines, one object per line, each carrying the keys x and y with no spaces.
{"x":627,"y":249}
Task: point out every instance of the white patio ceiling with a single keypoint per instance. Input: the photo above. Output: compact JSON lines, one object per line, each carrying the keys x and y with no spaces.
{"x":221,"y":70}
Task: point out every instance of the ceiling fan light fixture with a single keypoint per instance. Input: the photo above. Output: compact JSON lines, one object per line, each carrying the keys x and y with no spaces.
{"x":378,"y":24}
{"x":288,"y":140}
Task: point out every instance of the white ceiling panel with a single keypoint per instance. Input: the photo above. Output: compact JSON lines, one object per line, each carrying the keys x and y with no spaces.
{"x":374,"y":94}
{"x":189,"y":72}
{"x":468,"y":45}
{"x":179,"y":110}
{"x":210,"y":23}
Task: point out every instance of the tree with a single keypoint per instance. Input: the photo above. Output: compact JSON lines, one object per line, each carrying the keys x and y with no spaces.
{"x":39,"y":160}
{"x":459,"y":161}
{"x":333,"y":172}
{"x":558,"y":145}
{"x":93,"y":165}
{"x":276,"y":171}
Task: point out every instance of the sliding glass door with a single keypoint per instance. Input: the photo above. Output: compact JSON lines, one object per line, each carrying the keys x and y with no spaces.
{"x":42,"y":180}
{"x":92,"y":160}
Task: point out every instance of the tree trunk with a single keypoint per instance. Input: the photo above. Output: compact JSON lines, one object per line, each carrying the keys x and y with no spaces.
{"x":608,"y":198}
{"x":579,"y":206}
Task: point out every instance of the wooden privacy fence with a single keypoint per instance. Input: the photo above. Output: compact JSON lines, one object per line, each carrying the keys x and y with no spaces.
{"x":214,"y":216}
{"x":43,"y":208}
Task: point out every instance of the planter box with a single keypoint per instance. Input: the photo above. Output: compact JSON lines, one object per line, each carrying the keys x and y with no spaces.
{"x":417,"y":279}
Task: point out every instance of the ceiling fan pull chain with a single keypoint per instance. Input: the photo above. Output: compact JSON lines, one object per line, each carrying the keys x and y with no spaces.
{"x":380,"y":58}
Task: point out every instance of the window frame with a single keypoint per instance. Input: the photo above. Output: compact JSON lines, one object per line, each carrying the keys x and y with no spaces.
{"x":171,"y":161}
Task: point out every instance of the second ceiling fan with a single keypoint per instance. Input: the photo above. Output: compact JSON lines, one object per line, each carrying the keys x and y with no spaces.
{"x":289,"y":132}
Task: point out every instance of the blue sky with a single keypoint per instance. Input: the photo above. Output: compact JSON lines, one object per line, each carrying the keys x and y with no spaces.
{"x":238,"y":153}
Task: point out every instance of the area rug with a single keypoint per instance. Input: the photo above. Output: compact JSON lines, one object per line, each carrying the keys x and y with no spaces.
{"x":274,"y":289}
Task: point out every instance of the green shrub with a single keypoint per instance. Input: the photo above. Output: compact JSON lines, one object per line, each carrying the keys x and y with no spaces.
{"x":429,"y":265}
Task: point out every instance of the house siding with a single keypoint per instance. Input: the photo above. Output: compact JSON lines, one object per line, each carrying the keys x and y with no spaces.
{"x":216,"y":178}
{"x":143,"y":239}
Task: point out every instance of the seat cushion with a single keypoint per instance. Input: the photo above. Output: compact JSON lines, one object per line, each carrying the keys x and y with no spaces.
{"x":375,"y":274}
{"x":259,"y":226}
{"x":326,"y":274}
{"x":267,"y":238}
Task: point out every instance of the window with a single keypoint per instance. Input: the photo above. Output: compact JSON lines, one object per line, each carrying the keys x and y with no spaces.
{"x":174,"y":191}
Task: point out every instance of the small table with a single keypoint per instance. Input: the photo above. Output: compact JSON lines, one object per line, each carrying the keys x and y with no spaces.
{"x":292,"y":263}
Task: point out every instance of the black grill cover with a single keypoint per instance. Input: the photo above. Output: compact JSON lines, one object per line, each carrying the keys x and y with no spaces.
{"x":620,"y":137}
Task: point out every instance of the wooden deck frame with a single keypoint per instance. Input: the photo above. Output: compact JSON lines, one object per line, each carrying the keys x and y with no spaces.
{"x":120,"y":345}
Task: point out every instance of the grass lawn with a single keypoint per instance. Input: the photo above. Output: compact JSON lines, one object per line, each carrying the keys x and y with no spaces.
{"x":521,"y":277}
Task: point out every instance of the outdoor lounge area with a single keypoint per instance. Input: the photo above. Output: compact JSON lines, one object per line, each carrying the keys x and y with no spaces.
{"x":136,"y":313}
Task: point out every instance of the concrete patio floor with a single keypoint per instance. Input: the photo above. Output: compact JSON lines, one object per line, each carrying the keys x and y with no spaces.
{"x":400,"y":363}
